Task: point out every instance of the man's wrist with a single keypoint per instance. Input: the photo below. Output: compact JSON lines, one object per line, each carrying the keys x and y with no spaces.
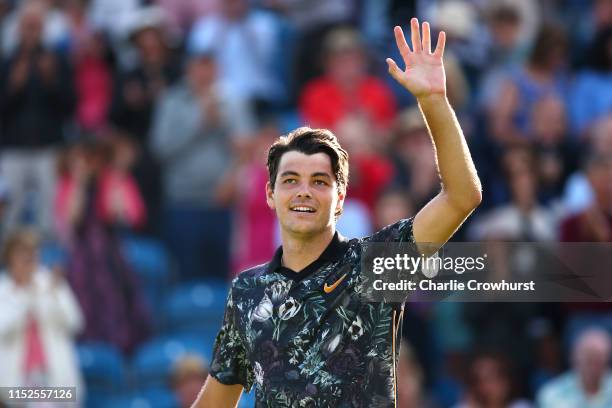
{"x":432,"y":99}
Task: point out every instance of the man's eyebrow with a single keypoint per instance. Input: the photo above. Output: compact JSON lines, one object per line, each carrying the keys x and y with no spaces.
{"x":288,"y":173}
{"x":321,"y":174}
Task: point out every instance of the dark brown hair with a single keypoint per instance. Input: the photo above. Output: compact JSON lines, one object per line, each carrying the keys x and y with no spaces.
{"x":310,"y":141}
{"x":505,"y":370}
{"x":550,"y":39}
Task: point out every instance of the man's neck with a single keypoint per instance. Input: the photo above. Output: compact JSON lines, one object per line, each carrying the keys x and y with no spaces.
{"x":299,"y":252}
{"x":591,"y":388}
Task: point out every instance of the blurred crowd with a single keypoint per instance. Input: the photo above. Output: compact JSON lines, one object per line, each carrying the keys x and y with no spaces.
{"x":136,"y":118}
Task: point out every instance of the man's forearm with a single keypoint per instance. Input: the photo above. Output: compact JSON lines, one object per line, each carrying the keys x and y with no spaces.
{"x":460,"y":181}
{"x":215,"y":394}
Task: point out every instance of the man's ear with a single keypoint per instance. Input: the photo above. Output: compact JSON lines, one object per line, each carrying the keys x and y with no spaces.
{"x":340,"y":203}
{"x":270,"y":196}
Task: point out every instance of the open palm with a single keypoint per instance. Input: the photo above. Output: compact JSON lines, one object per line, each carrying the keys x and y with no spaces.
{"x":424,"y":74}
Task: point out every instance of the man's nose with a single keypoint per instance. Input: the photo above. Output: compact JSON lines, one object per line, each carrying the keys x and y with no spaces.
{"x":304,"y":191}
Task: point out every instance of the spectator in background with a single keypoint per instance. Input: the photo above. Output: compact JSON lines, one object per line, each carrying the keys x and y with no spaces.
{"x":187,"y":376}
{"x":523,"y":219}
{"x":589,"y":383}
{"x":137,"y":91}
{"x":94,"y":66}
{"x":311,"y":21}
{"x":112,"y":16}
{"x":346,"y":89}
{"x":245,"y":43}
{"x":54,"y":29}
{"x":39,"y":319}
{"x":548,"y":362}
{"x":555,"y":152}
{"x":410,"y":380}
{"x":121,"y":202}
{"x":410,"y":150}
{"x":96,"y":199}
{"x":36,"y":99}
{"x":156,"y":69}
{"x":505,"y":50}
{"x":594,"y":224}
{"x":592,"y":91}
{"x":541,"y":76}
{"x":578,"y":194}
{"x":182,"y":14}
{"x":390,"y":205}
{"x":371,"y":171}
{"x":504,"y":25}
{"x":196,"y":125}
{"x":255,"y":225}
{"x":492,"y":383}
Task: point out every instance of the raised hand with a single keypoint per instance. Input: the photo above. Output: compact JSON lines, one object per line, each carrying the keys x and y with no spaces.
{"x":424,"y":75}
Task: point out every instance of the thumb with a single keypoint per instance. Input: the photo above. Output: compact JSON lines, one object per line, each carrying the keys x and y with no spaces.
{"x":394,"y":70}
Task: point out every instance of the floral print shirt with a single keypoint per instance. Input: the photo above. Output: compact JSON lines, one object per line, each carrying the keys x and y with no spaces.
{"x":303,"y":346}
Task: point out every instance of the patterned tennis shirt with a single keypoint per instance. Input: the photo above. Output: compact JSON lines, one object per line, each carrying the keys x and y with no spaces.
{"x":308,"y":339}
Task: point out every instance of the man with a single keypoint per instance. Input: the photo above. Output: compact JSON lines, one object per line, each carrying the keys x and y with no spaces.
{"x":297,"y":326}
{"x":589,"y":384}
{"x":196,"y":125}
{"x":36,"y":102}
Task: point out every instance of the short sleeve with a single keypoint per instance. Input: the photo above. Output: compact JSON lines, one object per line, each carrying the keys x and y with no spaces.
{"x":401,"y":231}
{"x":230,"y":364}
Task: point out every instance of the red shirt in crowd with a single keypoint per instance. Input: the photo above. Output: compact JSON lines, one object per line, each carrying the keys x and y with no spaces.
{"x":323,"y":103}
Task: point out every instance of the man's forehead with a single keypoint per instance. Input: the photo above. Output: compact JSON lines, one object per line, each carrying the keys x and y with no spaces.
{"x":305,"y":163}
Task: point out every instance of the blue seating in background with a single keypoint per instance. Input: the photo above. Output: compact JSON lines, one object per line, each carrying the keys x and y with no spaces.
{"x":104,"y":371}
{"x":195,"y":307}
{"x":52,"y":254}
{"x":102,"y":364}
{"x":146,"y":398}
{"x":153,"y":362}
{"x":151,"y":262}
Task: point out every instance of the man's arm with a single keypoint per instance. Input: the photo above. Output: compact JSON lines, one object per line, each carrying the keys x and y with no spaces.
{"x":461,"y":191}
{"x":215,"y":394}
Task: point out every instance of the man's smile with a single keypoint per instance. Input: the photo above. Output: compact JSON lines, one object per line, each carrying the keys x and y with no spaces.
{"x":303,"y":208}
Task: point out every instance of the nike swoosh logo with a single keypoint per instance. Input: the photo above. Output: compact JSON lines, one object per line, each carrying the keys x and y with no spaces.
{"x":329,"y":288}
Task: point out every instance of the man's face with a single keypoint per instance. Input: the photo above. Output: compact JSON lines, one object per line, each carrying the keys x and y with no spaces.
{"x":201,"y":71}
{"x":305,"y":195}
{"x":591,"y":363}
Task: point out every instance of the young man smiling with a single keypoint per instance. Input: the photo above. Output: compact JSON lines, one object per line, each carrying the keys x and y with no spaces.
{"x":297,"y":327}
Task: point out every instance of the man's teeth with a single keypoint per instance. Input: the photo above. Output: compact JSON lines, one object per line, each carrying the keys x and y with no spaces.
{"x":303,"y":209}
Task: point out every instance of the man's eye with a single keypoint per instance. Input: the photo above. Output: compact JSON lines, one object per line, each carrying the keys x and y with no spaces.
{"x":289,"y":181}
{"x":320,"y":182}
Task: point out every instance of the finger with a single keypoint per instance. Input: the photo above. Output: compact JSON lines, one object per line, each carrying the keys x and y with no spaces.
{"x":440,"y":46}
{"x":416,"y":34}
{"x":426,"y":38}
{"x":394,"y":70}
{"x":402,"y":45}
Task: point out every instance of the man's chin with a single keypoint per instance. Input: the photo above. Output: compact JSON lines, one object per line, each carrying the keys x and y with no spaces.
{"x":305,"y":229}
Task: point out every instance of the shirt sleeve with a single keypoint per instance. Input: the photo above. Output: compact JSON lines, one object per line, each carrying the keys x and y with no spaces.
{"x":230,"y":364}
{"x":400,"y":231}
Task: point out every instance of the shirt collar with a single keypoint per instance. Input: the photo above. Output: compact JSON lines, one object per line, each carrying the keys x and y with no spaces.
{"x":334,"y":252}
